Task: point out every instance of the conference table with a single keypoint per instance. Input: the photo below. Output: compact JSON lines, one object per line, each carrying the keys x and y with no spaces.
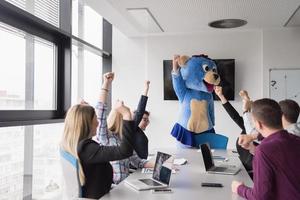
{"x":186,"y":183}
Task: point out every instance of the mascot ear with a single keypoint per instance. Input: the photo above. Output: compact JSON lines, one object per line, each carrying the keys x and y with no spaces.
{"x":183,"y":60}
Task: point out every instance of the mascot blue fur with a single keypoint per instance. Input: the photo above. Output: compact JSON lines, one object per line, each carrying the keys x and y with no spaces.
{"x":193,"y":82}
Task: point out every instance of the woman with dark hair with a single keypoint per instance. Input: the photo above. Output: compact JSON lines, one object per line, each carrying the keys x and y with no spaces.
{"x":245,"y":155}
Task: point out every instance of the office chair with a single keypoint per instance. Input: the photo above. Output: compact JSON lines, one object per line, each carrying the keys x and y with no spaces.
{"x":70,"y":168}
{"x":216,"y":141}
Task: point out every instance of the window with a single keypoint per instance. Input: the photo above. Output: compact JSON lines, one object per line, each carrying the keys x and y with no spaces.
{"x":83,"y":23}
{"x":44,"y":75}
{"x":47,"y":178}
{"x":47,"y":10}
{"x":11,"y":162}
{"x":40,"y":174}
{"x":38,"y":85}
{"x":12,"y":94}
{"x":86,"y":75}
{"x":28,"y":86}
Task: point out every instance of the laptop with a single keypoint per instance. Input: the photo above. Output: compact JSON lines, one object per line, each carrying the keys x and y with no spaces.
{"x":160,"y":177}
{"x":210,"y":166}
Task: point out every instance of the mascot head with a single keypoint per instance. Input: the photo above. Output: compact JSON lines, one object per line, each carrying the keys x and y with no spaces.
{"x":199,"y":72}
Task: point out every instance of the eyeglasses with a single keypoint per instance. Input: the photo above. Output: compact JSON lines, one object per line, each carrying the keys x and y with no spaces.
{"x":145,"y":119}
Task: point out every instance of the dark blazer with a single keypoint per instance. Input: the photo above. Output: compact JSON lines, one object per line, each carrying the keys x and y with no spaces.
{"x":95,"y":158}
{"x":141,"y":140}
{"x":245,"y":156}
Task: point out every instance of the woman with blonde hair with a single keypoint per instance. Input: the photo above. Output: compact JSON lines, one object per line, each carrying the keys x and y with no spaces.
{"x":95,"y":171}
{"x":112,"y":135}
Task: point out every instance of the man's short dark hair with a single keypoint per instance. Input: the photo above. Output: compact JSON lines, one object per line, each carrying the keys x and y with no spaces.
{"x":268,"y":112}
{"x":290,"y":110}
{"x":145,"y":113}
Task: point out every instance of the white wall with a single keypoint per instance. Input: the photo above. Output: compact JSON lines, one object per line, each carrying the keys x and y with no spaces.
{"x":129,"y":61}
{"x":281,"y":49}
{"x":137,"y":59}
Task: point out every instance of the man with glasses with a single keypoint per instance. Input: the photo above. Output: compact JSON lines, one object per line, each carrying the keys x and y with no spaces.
{"x":141,"y":118}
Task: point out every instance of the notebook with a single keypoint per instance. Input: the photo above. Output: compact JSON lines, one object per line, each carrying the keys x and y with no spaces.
{"x":160,"y":177}
{"x":210,"y":165}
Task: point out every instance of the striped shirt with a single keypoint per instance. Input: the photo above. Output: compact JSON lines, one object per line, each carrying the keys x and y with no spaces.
{"x":104,"y":137}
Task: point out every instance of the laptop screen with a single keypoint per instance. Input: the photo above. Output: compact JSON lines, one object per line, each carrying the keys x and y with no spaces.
{"x":207,"y":157}
{"x":160,"y":172}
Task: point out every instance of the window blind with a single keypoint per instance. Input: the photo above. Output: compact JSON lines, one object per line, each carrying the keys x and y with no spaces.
{"x":47,"y":10}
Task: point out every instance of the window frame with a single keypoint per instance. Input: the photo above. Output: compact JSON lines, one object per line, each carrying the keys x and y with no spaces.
{"x":62,"y":38}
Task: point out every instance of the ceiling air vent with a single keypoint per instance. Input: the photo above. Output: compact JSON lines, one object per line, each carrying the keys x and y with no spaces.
{"x":227,"y":23}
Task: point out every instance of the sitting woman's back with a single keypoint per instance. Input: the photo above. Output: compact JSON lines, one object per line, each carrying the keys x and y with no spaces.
{"x":95,"y":172}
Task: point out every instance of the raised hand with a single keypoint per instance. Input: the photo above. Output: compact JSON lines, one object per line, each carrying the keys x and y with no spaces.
{"x":246,"y":100}
{"x":244,"y":95}
{"x":123,"y":110}
{"x":147,"y":83}
{"x":108,"y":77}
{"x":219,"y":93}
{"x":175,"y":63}
{"x":107,"y":80}
{"x":246,"y":105}
{"x":83,"y":102}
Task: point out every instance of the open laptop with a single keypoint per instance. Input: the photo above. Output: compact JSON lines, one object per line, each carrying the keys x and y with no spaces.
{"x":160,"y":177}
{"x":210,"y":166}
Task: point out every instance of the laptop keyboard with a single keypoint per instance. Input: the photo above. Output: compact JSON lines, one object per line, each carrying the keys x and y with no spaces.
{"x":150,"y":182}
{"x":220,"y":169}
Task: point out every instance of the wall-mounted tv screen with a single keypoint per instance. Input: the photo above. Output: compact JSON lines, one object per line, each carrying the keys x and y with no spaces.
{"x":226,"y":69}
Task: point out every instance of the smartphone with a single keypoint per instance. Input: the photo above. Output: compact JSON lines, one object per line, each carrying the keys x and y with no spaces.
{"x":162,"y":190}
{"x":211,"y":185}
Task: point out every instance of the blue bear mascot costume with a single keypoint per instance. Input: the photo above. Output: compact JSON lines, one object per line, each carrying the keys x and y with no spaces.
{"x":193,"y":81}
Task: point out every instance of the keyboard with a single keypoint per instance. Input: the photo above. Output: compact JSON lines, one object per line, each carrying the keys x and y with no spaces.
{"x":220,"y":169}
{"x":150,"y":182}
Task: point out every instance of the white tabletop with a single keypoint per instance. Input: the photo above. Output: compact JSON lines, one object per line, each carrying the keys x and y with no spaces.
{"x":186,"y":184}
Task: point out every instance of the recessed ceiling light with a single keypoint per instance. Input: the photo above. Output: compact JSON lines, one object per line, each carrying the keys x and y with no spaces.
{"x":145,"y":19}
{"x":227,"y":23}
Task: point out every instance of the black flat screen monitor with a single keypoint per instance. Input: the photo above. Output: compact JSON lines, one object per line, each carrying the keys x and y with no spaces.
{"x":226,"y":69}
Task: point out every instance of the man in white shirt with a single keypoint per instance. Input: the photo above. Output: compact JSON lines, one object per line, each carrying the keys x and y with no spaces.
{"x":290,"y":113}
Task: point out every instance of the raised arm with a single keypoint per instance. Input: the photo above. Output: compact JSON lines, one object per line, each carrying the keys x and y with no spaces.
{"x":142,"y":105}
{"x":211,"y":108}
{"x":234,"y":115}
{"x":107,"y":80}
{"x":177,"y":80}
{"x":101,"y":108}
{"x":91,"y":152}
{"x":219,"y":93}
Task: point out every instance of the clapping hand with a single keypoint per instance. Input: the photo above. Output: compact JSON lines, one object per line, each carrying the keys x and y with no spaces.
{"x":175,"y":63}
{"x":123,"y":110}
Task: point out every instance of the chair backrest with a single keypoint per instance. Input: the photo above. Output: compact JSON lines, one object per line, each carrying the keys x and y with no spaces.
{"x":70,"y":168}
{"x":215,"y":141}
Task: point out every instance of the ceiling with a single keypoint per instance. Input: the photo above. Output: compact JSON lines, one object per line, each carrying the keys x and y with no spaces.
{"x":190,"y":16}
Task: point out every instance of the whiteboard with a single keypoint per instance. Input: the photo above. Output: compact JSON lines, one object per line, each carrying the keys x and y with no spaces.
{"x":284,"y":84}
